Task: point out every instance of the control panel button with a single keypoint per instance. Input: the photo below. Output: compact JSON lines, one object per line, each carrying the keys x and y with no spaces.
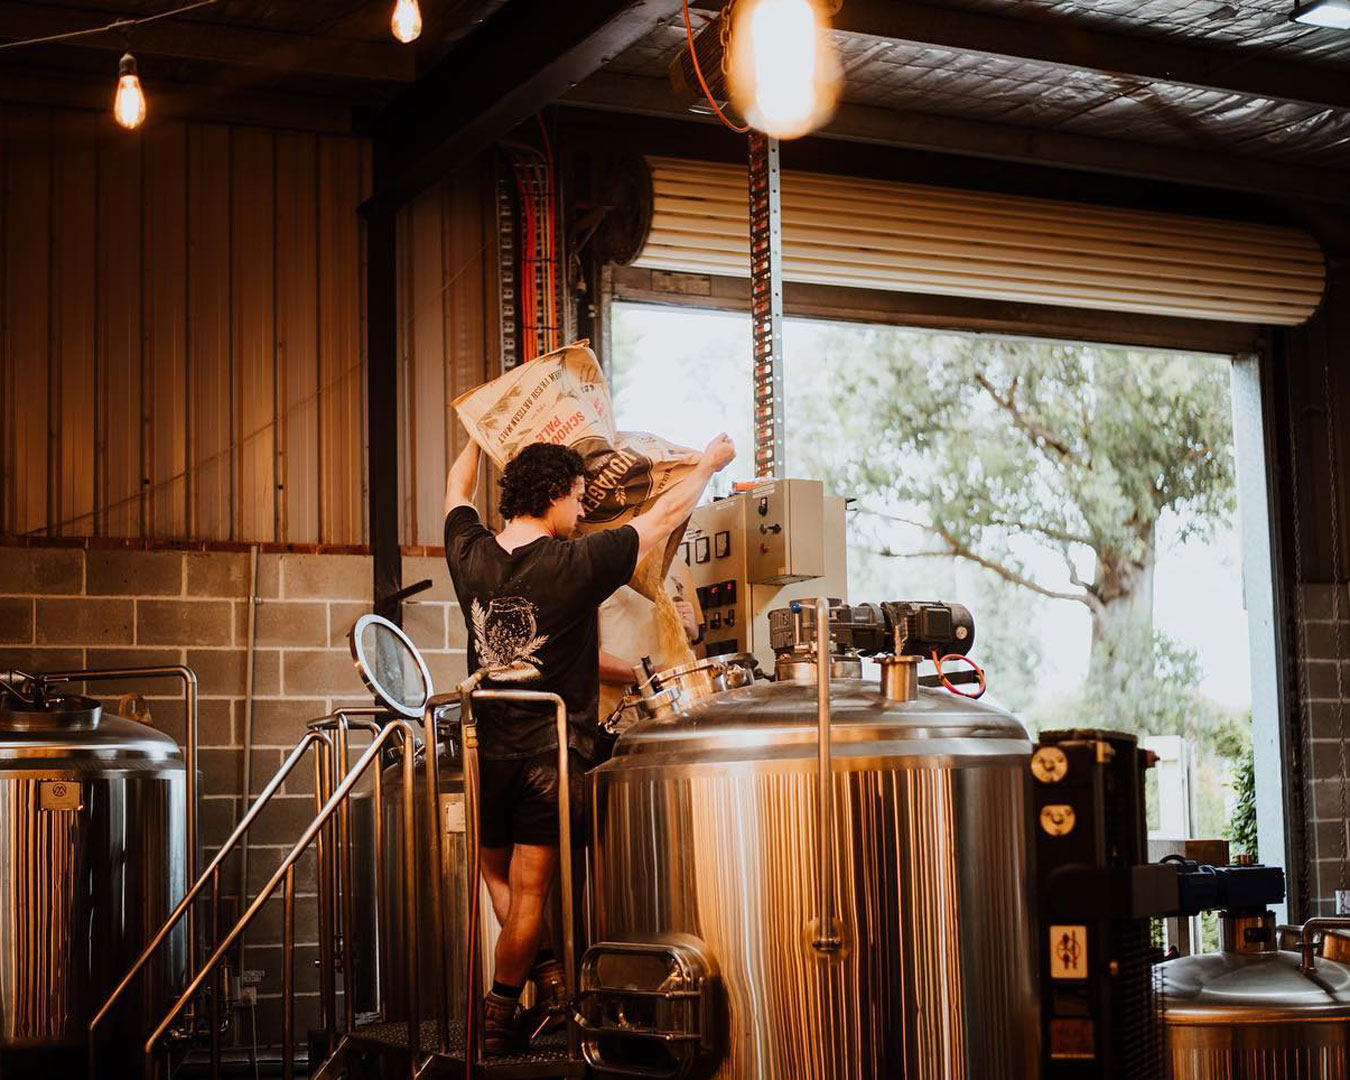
{"x":731,"y":618}
{"x":715,"y":595}
{"x":715,"y":621}
{"x":728,"y":592}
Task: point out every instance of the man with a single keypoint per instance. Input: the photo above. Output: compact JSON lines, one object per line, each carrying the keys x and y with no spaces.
{"x":530,"y":595}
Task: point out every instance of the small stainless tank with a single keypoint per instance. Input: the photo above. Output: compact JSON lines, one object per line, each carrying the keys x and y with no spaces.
{"x":706,"y":870}
{"x":453,"y":871}
{"x":1253,"y":1010}
{"x":92,"y":860}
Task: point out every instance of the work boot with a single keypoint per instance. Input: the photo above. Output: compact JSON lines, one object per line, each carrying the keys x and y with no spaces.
{"x":501,"y":1029}
{"x":551,"y":999}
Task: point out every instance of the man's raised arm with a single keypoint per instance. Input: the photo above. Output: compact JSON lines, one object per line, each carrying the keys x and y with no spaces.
{"x":676,"y":504}
{"x":462,"y":483}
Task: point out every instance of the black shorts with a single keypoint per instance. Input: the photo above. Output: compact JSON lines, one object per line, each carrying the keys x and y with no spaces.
{"x":518,"y":800}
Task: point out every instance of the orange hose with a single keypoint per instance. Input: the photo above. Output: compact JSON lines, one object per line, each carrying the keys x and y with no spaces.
{"x":698,"y":71}
{"x":958,"y":656}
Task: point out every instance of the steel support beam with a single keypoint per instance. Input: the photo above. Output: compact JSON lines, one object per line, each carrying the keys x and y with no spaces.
{"x":382,"y":403}
{"x":1045,"y":37}
{"x":221,"y":43}
{"x":985,"y":139}
{"x":523,"y":57}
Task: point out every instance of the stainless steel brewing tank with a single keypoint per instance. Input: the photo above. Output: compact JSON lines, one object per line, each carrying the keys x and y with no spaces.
{"x":92,"y":859}
{"x":453,"y":871}
{"x":1230,"y":1016}
{"x":706,"y":829}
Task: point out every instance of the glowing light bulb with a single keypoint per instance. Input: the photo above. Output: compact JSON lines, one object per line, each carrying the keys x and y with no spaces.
{"x":783,"y":70}
{"x":407,"y":21}
{"x":129,"y":103}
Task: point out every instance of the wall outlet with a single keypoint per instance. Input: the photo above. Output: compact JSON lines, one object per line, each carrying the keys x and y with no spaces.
{"x":248,"y":996}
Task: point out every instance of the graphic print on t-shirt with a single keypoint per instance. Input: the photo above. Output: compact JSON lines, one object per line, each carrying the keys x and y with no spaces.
{"x":507,"y":632}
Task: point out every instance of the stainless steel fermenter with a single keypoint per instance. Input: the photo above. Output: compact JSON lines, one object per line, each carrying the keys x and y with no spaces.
{"x":707,"y":888}
{"x":92,"y":859}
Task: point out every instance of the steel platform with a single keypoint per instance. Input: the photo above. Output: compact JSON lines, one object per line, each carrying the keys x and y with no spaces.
{"x":546,"y":1059}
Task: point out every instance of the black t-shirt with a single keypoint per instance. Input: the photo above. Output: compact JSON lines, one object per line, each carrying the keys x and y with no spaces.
{"x":537,"y":604}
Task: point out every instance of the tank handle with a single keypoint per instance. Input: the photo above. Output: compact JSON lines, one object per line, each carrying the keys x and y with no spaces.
{"x":826,"y":939}
{"x":1309,"y":943}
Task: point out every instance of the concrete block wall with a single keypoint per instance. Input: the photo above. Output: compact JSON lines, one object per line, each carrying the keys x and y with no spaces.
{"x":1328,"y":715}
{"x":72,"y":607}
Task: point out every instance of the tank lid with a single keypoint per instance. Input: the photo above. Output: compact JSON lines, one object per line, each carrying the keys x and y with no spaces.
{"x":1264,"y":987}
{"x":69,"y":712}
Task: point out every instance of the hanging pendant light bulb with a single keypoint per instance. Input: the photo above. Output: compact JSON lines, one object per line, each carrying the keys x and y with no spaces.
{"x":783,"y":70}
{"x":129,"y":103}
{"x":407,"y":21}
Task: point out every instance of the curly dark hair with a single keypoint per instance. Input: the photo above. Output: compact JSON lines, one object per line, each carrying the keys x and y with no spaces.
{"x":537,"y":476}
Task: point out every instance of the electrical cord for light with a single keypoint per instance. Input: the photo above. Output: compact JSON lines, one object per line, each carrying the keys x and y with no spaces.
{"x":979,"y":672}
{"x":698,"y":72}
{"x":114,"y":27}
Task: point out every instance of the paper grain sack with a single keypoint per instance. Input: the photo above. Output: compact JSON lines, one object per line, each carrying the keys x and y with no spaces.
{"x":561,"y":397}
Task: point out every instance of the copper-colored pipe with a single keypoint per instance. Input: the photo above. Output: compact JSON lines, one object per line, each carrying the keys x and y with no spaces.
{"x":1309,"y":944}
{"x":288,"y":976}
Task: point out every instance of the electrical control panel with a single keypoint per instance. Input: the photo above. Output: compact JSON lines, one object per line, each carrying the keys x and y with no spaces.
{"x":756,"y":550}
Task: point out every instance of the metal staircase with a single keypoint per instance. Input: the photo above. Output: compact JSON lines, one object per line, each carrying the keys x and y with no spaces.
{"x":423,"y":1040}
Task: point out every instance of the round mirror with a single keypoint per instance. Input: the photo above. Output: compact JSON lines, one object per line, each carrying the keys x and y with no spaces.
{"x":390,"y":665}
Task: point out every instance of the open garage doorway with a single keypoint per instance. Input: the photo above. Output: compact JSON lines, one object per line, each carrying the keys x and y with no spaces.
{"x":1102,"y":510}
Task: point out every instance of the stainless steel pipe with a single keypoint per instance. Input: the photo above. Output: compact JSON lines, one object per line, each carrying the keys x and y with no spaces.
{"x":826,"y":940}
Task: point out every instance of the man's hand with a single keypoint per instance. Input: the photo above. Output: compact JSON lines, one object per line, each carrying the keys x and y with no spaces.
{"x":719,"y":453}
{"x":688,"y":616}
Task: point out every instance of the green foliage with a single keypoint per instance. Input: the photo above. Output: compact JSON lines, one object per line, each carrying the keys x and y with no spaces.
{"x":1242,"y":824}
{"x":1075,"y":447}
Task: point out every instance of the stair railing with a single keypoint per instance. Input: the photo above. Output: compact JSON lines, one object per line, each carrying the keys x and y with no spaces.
{"x":284,"y":876}
{"x":212,"y":875}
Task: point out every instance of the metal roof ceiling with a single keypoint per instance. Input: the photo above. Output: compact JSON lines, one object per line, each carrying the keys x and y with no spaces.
{"x":901,"y":75}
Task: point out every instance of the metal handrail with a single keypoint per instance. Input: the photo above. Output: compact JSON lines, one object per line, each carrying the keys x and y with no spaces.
{"x":826,"y":940}
{"x":284,"y":873}
{"x":468,"y":693}
{"x":342,"y":721}
{"x":212,"y":874}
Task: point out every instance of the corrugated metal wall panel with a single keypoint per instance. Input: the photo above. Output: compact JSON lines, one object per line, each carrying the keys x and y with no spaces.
{"x":166,"y":306}
{"x":75,"y":294}
{"x":297,"y":318}
{"x":342,"y":384}
{"x":120,"y":328}
{"x":183,"y":342}
{"x":184,"y":332}
{"x":210,"y":346}
{"x":27,"y":198}
{"x":444,"y":263}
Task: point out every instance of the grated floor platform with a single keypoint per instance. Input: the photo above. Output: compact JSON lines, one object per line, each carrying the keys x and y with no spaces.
{"x":546,"y":1058}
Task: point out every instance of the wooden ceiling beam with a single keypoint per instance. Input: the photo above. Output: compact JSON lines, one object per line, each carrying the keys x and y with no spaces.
{"x":522,"y":57}
{"x":219,"y":43}
{"x":1047,"y":38}
{"x":1203,"y":167}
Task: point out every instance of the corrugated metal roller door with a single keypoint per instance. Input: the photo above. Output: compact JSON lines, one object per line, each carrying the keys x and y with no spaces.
{"x":881,"y":235}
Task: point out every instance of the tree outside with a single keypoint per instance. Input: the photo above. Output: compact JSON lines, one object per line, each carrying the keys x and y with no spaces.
{"x":1031,"y":479}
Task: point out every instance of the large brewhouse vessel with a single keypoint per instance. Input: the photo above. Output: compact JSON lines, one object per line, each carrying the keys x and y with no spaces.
{"x":732,"y":942}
